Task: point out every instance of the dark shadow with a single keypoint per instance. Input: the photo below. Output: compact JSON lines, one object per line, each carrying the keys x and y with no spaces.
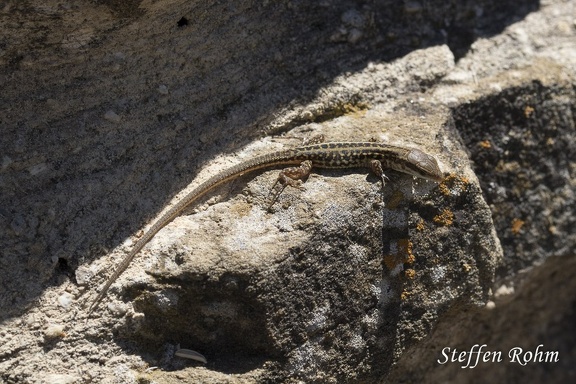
{"x":223,"y":320}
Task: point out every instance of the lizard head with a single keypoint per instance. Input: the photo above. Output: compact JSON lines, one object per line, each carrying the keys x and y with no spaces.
{"x":423,"y":165}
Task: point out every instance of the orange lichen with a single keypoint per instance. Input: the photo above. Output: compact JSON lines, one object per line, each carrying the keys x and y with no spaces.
{"x":405,"y":294}
{"x":358,"y":109}
{"x":517,"y":225}
{"x":403,"y":255}
{"x":410,"y":273}
{"x":445,"y":218}
{"x":405,"y":247}
{"x":453,"y":184}
{"x":444,"y":189}
{"x":420,"y":225}
{"x":528,"y":111}
{"x":485,"y":144}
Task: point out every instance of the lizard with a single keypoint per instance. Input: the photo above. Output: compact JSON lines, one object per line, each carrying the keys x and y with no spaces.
{"x":373,"y":155}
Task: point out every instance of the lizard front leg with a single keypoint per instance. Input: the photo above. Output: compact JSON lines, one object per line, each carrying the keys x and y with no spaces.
{"x":376,"y":167}
{"x":292,"y":176}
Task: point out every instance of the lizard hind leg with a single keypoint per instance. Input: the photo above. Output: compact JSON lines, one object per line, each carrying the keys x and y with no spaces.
{"x":293,"y":177}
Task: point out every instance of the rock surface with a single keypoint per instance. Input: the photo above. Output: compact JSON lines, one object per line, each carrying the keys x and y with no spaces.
{"x":113,"y":110}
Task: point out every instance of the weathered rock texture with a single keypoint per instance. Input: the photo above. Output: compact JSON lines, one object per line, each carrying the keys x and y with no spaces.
{"x":109,"y":110}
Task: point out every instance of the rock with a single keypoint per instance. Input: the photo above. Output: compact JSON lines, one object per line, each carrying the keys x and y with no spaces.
{"x":111,"y":110}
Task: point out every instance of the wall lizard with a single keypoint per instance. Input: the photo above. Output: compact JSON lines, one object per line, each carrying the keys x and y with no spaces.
{"x":375,"y":156}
